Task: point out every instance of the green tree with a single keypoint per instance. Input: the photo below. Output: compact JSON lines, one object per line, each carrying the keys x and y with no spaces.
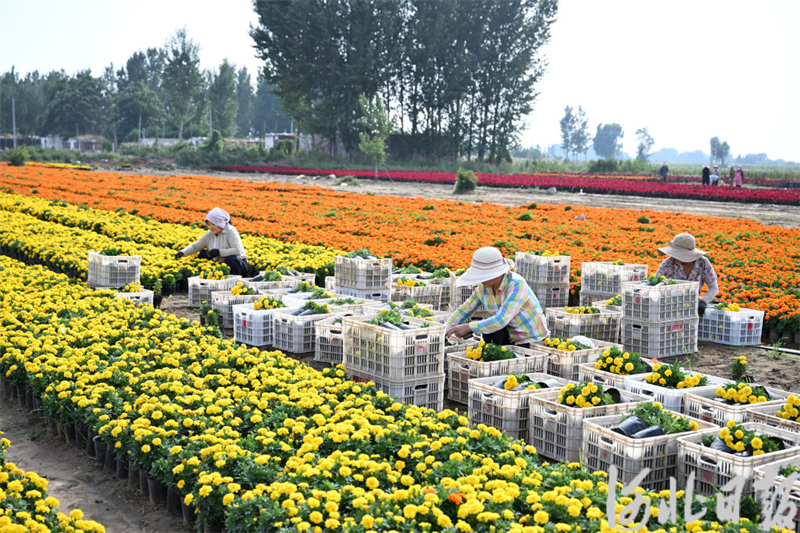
{"x":608,"y":140}
{"x":644,"y":144}
{"x":714,"y":145}
{"x":75,"y":105}
{"x":244,"y":96}
{"x":138,"y":101}
{"x":723,"y":152}
{"x":568,"y":125}
{"x":580,"y":136}
{"x":378,"y":126}
{"x":223,"y":100}
{"x":183,"y":81}
{"x":268,"y":117}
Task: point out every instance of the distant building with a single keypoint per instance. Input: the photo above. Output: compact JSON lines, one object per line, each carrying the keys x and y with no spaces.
{"x":86,"y":143}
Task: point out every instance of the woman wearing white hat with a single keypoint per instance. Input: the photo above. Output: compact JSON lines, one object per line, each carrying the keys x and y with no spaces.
{"x":687,"y":262}
{"x":517,"y":317}
{"x":221,"y":243}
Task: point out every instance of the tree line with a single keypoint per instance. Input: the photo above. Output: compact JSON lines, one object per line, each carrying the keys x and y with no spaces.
{"x":458,"y":75}
{"x":161,"y":92}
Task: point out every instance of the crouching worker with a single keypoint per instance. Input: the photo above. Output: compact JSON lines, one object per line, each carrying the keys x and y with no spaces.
{"x":221,"y":243}
{"x":517,"y":317}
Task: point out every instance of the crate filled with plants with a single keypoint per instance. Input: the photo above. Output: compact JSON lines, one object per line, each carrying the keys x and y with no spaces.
{"x":329,"y":339}
{"x":543,"y":267}
{"x":136,"y":294}
{"x":417,"y":290}
{"x":503,"y":401}
{"x":566,"y":355}
{"x":444,"y":278}
{"x":348,"y":304}
{"x":225,"y":300}
{"x":295,"y":326}
{"x":716,"y":456}
{"x":111,"y":268}
{"x":556,"y":417}
{"x":780,"y":474}
{"x":609,"y":304}
{"x":303,"y":292}
{"x":658,"y":299}
{"x":732,"y":325}
{"x":425,"y":392}
{"x":488,"y":359}
{"x":412,"y":309}
{"x":660,"y":339}
{"x":646,"y":437}
{"x":210,"y":280}
{"x":280,"y":278}
{"x":732,"y":400}
{"x":252,"y":322}
{"x":585,"y":320}
{"x":360,"y":270}
{"x":668,"y":384}
{"x":393,"y":346}
{"x":785,"y":415}
{"x":607,"y":277}
{"x":613,"y":367}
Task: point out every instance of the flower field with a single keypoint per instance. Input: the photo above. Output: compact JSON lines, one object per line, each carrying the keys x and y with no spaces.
{"x":756,"y":264}
{"x":636,"y":186}
{"x":256,"y":441}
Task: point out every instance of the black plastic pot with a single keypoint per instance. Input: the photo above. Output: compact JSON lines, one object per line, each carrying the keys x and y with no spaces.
{"x":122,"y":468}
{"x":90,"y":451}
{"x":174,"y":501}
{"x":549,"y":384}
{"x":616,"y":395}
{"x":100,"y":449}
{"x":652,"y":431}
{"x":157,"y":301}
{"x":630,"y":426}
{"x":157,"y":491}
{"x":80,"y":436}
{"x":143,"y":483}
{"x":719,"y":445}
{"x":747,"y":379}
{"x":111,"y":458}
{"x":189,"y":517}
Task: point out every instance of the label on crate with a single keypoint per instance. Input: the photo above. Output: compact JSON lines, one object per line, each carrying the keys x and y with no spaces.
{"x":676,"y":327}
{"x":422,"y":349}
{"x":244,"y":323}
{"x":336,"y":340}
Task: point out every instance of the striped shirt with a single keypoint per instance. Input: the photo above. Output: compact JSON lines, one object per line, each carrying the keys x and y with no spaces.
{"x":514,"y":306}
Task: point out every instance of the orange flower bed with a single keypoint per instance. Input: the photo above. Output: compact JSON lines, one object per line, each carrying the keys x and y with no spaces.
{"x":757,"y":264}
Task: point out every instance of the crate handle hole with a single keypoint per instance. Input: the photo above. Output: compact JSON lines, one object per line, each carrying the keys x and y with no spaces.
{"x":707,"y":461}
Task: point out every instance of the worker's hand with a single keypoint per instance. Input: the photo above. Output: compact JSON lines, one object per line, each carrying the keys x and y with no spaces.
{"x":459,"y":331}
{"x":701,"y":307}
{"x":178,"y":255}
{"x":213,"y":253}
{"x":203,"y":254}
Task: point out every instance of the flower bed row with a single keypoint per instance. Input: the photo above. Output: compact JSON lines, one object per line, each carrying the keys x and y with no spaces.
{"x":259,"y":442}
{"x":626,"y":187}
{"x":756,"y":264}
{"x":23,"y":495}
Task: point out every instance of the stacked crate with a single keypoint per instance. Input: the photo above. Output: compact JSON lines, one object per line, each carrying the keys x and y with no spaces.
{"x":602,"y":281}
{"x":602,"y":326}
{"x":661,"y":320}
{"x":370,"y":279}
{"x":112,"y":272}
{"x":200,"y":289}
{"x":252,"y":326}
{"x":407,"y":364}
{"x":224,"y":302}
{"x":428,"y":294}
{"x":735,"y":328}
{"x":548,"y":277}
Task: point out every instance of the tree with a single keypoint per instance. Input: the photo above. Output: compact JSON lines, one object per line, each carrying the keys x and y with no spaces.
{"x":138,"y":102}
{"x":723,"y":152}
{"x":608,"y":140}
{"x":645,"y":144}
{"x":222,"y":99}
{"x":568,"y":124}
{"x":378,"y":126}
{"x":714,"y":148}
{"x":244,"y":96}
{"x":268,"y":117}
{"x":183,"y":81}
{"x":580,"y":136}
{"x":75,"y":105}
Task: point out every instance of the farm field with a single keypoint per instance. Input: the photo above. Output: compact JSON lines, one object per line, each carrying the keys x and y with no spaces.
{"x":110,"y":360}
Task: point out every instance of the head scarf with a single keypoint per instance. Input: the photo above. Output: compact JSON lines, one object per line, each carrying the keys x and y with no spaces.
{"x":218,"y":217}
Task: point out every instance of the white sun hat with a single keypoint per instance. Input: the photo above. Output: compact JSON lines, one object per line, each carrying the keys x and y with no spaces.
{"x":487,"y":263}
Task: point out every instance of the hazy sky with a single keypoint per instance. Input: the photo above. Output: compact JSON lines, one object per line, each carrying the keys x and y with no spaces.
{"x":687,"y":70}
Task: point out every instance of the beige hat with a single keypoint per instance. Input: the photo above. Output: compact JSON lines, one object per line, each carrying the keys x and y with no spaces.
{"x":487,"y":263}
{"x":683,"y":248}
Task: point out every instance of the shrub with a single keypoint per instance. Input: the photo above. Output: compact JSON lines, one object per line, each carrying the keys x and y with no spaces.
{"x":465,"y":181}
{"x":17,"y":157}
{"x":643,"y":220}
{"x":525,"y":216}
{"x":603,"y":166}
{"x":349,"y":180}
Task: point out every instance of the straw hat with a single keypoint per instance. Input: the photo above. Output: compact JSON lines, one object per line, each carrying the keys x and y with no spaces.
{"x":487,"y":263}
{"x":683,"y":248}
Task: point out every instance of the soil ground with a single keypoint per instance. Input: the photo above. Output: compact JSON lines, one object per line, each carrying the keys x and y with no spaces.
{"x":80,"y":482}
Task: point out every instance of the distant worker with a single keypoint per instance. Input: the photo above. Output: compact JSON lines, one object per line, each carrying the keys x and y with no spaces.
{"x":739,"y":177}
{"x":517,"y":317}
{"x":686,"y":262}
{"x":664,"y":172}
{"x":731,"y":175}
{"x":706,"y":175}
{"x":220,"y":243}
{"x":715,"y":176}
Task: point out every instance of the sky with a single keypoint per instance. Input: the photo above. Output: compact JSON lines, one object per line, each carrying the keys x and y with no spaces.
{"x":687,"y":70}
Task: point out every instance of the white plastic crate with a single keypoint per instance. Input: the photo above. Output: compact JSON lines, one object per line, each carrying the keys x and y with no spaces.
{"x":660,"y":303}
{"x":713,"y":469}
{"x":603,"y":326}
{"x":742,"y":328}
{"x":768,"y":414}
{"x":224,"y":302}
{"x":425,"y":392}
{"x":603,"y":448}
{"x":607,"y":278}
{"x":382,"y":295}
{"x":551,"y":295}
{"x":557,"y":430}
{"x":361,"y":307}
{"x":593,"y":298}
{"x":603,"y":306}
{"x":460,"y":295}
{"x":660,"y":339}
{"x":566,"y":364}
{"x":330,"y":283}
{"x":671,"y":399}
{"x":144,"y":296}
{"x":706,"y":406}
{"x":771,"y":471}
{"x":448,"y":288}
{"x":253,"y":327}
{"x":461,"y":369}
{"x":329,"y":344}
{"x":506,"y":410}
{"x":295,"y":334}
{"x":113,"y":271}
{"x":390,"y":354}
{"x":200,"y":289}
{"x":429,"y":295}
{"x":288,"y":282}
{"x":543,"y":270}
{"x":363,"y":274}
{"x":588,"y":373}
